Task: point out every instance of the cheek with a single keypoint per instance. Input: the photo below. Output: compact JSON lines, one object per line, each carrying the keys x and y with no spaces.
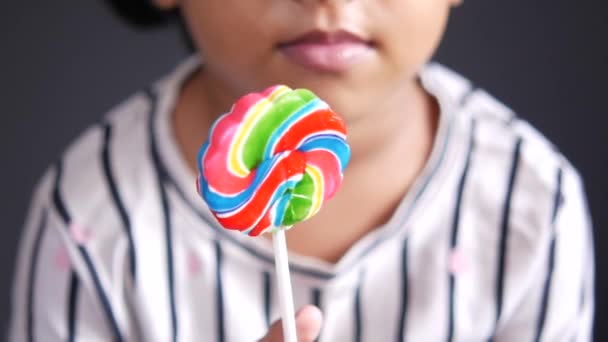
{"x":414,"y":30}
{"x":226,"y":31}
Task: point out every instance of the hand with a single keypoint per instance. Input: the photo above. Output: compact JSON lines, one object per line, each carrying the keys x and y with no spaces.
{"x":308,"y":326}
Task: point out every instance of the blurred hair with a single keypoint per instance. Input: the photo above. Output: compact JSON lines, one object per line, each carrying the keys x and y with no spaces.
{"x":141,"y":13}
{"x":144,"y":14}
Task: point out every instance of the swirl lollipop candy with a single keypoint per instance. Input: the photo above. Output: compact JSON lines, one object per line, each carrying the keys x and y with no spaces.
{"x":270,"y":162}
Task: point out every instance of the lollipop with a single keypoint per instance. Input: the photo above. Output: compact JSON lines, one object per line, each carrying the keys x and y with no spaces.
{"x":270,"y":162}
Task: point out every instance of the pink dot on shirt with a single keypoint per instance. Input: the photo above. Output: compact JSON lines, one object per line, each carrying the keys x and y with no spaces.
{"x":194,"y":263}
{"x":62,"y":259}
{"x":80,"y":234}
{"x":457,"y":263}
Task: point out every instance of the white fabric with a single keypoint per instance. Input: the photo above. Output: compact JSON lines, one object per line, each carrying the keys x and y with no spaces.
{"x":492,"y":242}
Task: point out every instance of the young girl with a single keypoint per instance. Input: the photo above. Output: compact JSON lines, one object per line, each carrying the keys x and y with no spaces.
{"x":456,"y":220}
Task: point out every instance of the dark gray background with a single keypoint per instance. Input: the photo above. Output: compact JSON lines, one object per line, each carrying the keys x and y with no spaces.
{"x":64,"y":63}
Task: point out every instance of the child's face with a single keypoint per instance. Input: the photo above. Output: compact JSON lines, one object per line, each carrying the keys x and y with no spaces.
{"x":361,"y":52}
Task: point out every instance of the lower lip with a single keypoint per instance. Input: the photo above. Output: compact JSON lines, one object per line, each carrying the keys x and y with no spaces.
{"x":327,"y":57}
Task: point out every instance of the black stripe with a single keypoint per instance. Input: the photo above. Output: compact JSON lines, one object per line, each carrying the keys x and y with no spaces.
{"x":162,"y":176}
{"x":72,"y":306}
{"x":102,"y":295}
{"x":65,"y":216}
{"x":404,"y":254}
{"x":118,"y":203}
{"x":504,"y":231}
{"x":160,"y":169}
{"x":455,"y":226}
{"x":316,"y":301}
{"x":551,"y":263}
{"x":32,"y":276}
{"x":220,"y":292}
{"x":316,"y":297}
{"x":267,"y":298}
{"x":57,"y":200}
{"x":357,"y":314}
{"x":404,"y":293}
{"x":169,"y":251}
{"x":558,"y":196}
{"x":540,"y":323}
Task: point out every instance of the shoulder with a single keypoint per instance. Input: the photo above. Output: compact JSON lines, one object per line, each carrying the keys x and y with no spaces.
{"x":513,"y":166}
{"x":113,"y":150}
{"x":104,"y":165}
{"x":110,"y":170}
{"x":499,"y":129}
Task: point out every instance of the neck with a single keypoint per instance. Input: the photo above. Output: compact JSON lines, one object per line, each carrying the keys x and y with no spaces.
{"x":405,"y":122}
{"x":197,"y":106}
{"x":389,"y":150}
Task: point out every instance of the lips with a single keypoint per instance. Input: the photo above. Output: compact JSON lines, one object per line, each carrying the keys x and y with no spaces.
{"x":329,"y":52}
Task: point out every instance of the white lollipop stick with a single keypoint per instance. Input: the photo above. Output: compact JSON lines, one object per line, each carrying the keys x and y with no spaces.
{"x":283,"y":279}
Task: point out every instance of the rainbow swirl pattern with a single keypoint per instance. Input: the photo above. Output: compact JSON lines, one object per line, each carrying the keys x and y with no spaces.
{"x":272,"y":160}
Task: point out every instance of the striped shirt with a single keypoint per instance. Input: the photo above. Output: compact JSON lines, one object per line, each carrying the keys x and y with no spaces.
{"x":492,"y":243}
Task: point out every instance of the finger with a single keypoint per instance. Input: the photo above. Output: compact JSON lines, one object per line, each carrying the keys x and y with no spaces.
{"x":308,"y":323}
{"x":308,"y":326}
